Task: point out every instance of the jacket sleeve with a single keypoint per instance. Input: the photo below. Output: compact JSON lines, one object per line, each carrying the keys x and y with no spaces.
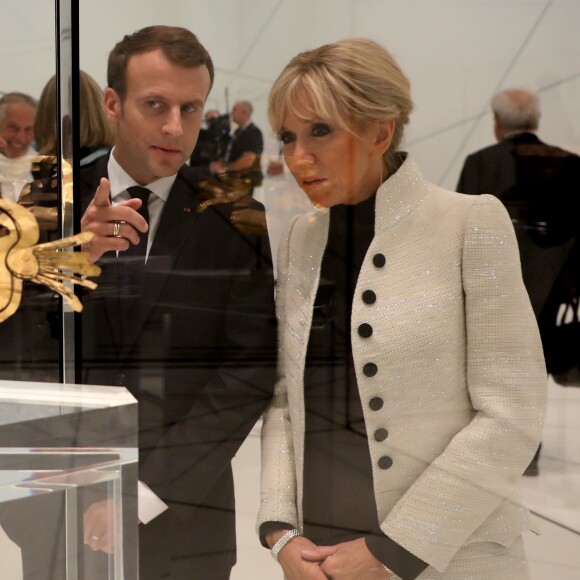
{"x":479,"y":468}
{"x":278,"y":479}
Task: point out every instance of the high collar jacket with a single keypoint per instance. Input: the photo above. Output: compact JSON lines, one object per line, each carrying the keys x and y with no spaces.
{"x":453,"y":371}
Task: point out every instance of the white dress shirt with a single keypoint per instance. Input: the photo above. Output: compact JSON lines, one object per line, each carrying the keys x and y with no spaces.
{"x":120,"y":181}
{"x":149,"y":504}
{"x":15,"y":174}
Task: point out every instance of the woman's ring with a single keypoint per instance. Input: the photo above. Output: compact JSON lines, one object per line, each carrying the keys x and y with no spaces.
{"x":116,"y":229}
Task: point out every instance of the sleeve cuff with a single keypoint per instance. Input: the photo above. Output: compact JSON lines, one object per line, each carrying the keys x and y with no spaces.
{"x":396,"y":558}
{"x":149,"y":505}
{"x":268,"y":527}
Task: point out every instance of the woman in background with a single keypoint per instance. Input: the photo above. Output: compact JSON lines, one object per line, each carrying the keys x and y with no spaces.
{"x":412,"y":386}
{"x":96,"y":138}
{"x":96,"y":133}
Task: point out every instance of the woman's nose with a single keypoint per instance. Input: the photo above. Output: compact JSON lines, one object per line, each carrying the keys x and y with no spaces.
{"x":301,"y":152}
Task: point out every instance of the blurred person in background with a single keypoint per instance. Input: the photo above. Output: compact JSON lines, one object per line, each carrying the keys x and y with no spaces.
{"x":539,"y":184}
{"x":242,"y":157}
{"x":17,"y":114}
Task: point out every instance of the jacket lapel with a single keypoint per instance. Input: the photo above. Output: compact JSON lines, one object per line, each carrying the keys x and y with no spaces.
{"x":176,"y":226}
{"x":111,"y":282}
{"x":307,"y":245}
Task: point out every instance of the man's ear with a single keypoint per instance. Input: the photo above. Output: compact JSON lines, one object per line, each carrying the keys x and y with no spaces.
{"x":112,"y":105}
{"x":498,"y":130}
{"x":384,"y":135}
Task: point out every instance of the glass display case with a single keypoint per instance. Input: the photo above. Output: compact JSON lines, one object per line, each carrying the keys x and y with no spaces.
{"x":66,"y":447}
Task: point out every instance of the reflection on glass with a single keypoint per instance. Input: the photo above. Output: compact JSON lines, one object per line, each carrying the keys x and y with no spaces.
{"x":29,"y":338}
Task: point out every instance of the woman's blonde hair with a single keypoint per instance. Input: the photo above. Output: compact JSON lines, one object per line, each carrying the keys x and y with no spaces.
{"x":95,"y":128}
{"x":354,"y":82}
{"x":45,"y":120}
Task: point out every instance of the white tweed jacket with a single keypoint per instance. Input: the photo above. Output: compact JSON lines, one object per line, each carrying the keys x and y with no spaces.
{"x":453,"y":371}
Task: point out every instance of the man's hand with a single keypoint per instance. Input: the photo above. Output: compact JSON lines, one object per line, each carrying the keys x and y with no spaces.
{"x":290,"y":558}
{"x":98,"y":532}
{"x":347,"y":561}
{"x":101,"y":218}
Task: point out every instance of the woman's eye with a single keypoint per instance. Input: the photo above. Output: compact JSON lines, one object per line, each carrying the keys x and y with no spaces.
{"x":286,"y":137}
{"x":320,"y":130}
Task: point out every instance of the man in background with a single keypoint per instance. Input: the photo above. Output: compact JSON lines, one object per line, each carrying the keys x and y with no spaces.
{"x":243,"y":154}
{"x":183,"y":315}
{"x":17,"y":114}
{"x":212,"y":141}
{"x":540,"y":186}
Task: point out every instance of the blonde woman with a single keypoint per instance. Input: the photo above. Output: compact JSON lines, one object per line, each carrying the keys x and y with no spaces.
{"x":412,"y":384}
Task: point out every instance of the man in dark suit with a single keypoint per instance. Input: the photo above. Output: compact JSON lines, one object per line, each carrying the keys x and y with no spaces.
{"x":183,"y":315}
{"x":540,"y":186}
{"x":243,"y":153}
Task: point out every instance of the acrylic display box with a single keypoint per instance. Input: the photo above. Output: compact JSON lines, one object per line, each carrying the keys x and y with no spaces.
{"x":63,"y":448}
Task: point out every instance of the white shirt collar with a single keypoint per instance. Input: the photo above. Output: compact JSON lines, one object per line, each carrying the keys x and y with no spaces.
{"x":120,"y":180}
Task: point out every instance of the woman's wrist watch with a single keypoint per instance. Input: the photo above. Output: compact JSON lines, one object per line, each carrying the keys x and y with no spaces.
{"x":282,"y":542}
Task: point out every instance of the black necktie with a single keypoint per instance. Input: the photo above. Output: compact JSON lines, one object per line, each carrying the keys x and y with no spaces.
{"x":141,"y":248}
{"x":132,"y":263}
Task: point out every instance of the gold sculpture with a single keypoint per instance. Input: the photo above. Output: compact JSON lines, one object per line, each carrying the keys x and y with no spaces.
{"x":235,"y":190}
{"x":21,"y":258}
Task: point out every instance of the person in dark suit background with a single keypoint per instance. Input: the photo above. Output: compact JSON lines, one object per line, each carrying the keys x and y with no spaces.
{"x":243,"y":154}
{"x":183,"y":315}
{"x":540,"y":186}
{"x":212,"y":141}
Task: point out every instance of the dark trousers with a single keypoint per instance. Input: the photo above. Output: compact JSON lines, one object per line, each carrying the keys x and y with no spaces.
{"x":169,"y":548}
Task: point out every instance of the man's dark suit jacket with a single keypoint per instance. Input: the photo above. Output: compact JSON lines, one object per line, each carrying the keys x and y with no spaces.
{"x":248,"y":139}
{"x":540,"y":186}
{"x":194,"y":340}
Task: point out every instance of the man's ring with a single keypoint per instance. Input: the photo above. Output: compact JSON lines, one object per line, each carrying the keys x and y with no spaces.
{"x":116,"y":229}
{"x":95,"y":538}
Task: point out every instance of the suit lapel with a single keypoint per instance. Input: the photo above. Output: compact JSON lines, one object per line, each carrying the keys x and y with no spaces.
{"x":307,"y":244}
{"x":176,"y":226}
{"x":90,"y":179}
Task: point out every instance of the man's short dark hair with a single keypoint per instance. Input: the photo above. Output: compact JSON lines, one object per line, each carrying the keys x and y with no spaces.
{"x":179,"y":45}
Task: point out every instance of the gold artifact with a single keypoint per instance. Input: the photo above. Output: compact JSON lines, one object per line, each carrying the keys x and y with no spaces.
{"x":235,"y":190}
{"x":46,"y":264}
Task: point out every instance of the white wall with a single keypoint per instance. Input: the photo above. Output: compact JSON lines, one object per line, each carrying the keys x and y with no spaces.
{"x":27,"y":57}
{"x":456,"y":52}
